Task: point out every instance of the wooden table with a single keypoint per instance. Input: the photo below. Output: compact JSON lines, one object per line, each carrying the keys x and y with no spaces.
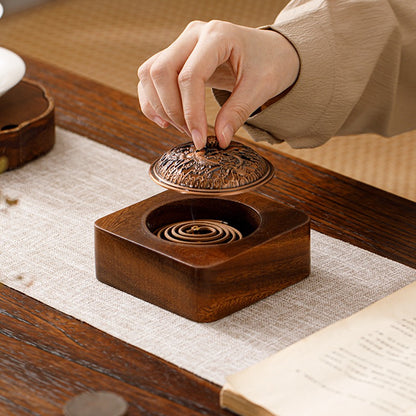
{"x":47,"y":357}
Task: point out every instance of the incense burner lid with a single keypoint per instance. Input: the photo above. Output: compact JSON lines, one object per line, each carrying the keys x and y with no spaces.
{"x":212,"y":170}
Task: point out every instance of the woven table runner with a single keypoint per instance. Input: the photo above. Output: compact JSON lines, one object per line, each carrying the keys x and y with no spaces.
{"x":47,"y":252}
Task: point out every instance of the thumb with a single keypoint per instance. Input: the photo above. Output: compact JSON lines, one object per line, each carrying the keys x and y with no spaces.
{"x":234,"y":113}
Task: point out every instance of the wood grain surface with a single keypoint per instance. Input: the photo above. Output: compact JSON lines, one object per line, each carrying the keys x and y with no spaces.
{"x":46,"y":357}
{"x":203,"y":282}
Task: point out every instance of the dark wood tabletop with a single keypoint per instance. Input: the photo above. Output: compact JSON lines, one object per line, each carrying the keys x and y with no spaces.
{"x":47,"y":357}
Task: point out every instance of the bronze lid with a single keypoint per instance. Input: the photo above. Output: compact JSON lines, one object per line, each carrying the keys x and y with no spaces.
{"x":212,"y":170}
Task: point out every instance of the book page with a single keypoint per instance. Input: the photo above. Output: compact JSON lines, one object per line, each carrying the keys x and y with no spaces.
{"x":362,"y":365}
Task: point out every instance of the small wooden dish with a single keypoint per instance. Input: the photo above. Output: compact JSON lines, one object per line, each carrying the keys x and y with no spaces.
{"x":203,"y":282}
{"x":27,"y":125}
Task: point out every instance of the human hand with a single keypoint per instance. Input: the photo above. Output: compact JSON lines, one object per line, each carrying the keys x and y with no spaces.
{"x":254,"y":65}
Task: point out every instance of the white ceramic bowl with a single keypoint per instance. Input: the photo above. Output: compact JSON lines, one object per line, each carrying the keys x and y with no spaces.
{"x":1,"y":10}
{"x":12,"y":69}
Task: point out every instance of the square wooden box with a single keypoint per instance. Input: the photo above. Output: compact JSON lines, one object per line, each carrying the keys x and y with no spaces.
{"x":203,"y":282}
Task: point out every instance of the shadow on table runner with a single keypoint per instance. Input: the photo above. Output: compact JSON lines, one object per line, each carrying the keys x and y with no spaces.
{"x":48,"y":253}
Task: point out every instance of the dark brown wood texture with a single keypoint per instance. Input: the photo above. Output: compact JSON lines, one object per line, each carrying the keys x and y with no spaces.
{"x":46,"y":357}
{"x":203,"y":282}
{"x":27,"y":126}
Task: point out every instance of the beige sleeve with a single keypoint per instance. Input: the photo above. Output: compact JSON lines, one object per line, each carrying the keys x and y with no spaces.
{"x":358,"y":72}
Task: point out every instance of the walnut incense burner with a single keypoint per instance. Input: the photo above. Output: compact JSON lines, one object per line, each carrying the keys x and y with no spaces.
{"x":208,"y":246}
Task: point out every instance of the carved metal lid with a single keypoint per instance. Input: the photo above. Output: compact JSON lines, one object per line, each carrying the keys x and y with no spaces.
{"x":212,"y":170}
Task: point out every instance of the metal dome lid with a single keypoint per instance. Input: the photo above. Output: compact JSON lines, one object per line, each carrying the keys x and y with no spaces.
{"x":212,"y":170}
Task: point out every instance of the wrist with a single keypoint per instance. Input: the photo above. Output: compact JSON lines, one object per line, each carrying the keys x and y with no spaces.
{"x":286,"y":62}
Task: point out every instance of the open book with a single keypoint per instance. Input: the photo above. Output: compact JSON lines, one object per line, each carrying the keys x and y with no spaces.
{"x":362,"y":365}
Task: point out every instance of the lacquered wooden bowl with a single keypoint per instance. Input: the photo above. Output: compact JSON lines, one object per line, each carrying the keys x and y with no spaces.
{"x":27,"y":124}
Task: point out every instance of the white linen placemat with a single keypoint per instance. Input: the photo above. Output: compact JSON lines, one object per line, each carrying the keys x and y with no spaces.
{"x":47,"y":252}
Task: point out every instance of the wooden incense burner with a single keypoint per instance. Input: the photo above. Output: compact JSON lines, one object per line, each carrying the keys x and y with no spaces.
{"x":203,"y":282}
{"x":27,"y":124}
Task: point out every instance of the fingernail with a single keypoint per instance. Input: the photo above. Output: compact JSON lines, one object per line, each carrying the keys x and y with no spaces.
{"x":227,"y":136}
{"x":160,"y":122}
{"x":197,"y":139}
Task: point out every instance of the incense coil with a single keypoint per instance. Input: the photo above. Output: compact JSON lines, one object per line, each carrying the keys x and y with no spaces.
{"x":199,"y":232}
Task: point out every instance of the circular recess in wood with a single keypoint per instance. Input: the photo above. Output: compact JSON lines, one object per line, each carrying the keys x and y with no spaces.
{"x":199,"y":232}
{"x":203,"y":221}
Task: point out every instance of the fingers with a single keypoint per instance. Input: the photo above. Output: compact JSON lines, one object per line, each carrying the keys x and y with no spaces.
{"x":268,"y":66}
{"x":192,"y":89}
{"x":208,"y":54}
{"x":255,"y":65}
{"x":172,"y":83}
{"x":148,"y":98}
{"x":147,"y":108}
{"x":159,"y":98}
{"x":158,"y":89}
{"x":237,"y":109}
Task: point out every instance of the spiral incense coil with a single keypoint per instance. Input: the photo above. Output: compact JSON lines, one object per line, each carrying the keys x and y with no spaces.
{"x":199,"y":232}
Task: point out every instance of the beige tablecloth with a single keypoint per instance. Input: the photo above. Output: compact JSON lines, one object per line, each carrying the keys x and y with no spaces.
{"x":47,"y":252}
